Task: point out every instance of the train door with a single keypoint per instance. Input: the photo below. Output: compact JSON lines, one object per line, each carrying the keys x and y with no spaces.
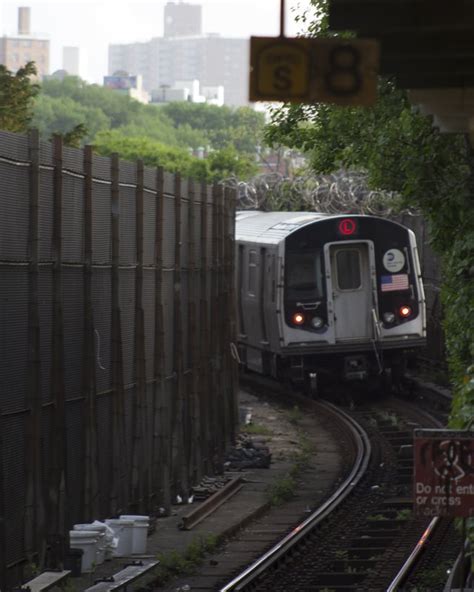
{"x":351,"y":291}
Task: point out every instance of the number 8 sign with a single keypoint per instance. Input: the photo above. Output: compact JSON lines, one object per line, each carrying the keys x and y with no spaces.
{"x":344,"y":71}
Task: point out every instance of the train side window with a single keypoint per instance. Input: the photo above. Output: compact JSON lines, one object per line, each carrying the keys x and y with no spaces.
{"x":348,"y":269}
{"x":252,"y":276}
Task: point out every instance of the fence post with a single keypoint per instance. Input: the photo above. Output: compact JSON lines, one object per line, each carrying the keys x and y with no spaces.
{"x":193,"y":343}
{"x":34,"y":511}
{"x":215,"y":408}
{"x":204,"y":364}
{"x":230,"y":308}
{"x":91,"y":486}
{"x":180,"y":468}
{"x":161,"y":412}
{"x":140,"y":453}
{"x":57,"y":482}
{"x":121,"y":454}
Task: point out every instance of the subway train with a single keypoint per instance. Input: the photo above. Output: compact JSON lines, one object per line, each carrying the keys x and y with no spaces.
{"x":327,"y":298}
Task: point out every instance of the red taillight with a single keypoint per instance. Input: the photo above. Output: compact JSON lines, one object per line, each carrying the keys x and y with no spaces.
{"x":297,"y":318}
{"x":404,"y":311}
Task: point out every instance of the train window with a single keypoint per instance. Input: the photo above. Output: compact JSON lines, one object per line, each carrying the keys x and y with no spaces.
{"x":348,"y":269}
{"x":303,"y":275}
{"x":252,"y":277}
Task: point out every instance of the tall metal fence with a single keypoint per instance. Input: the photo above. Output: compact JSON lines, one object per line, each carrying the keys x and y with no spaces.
{"x":117,"y":388}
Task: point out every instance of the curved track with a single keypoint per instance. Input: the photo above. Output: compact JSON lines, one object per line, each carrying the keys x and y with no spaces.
{"x":361,"y":556}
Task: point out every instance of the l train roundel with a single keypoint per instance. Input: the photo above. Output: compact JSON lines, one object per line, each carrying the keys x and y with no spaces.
{"x":347,"y":226}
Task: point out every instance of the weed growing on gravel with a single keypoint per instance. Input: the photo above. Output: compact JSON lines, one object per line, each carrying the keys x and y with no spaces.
{"x":281,"y":490}
{"x":174,"y":564}
{"x":295,"y":415}
{"x":404,"y":514}
{"x":257,"y":429}
{"x":389,"y":418}
{"x":377,"y":518}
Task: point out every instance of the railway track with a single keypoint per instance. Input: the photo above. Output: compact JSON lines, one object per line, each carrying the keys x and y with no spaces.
{"x":358,"y":542}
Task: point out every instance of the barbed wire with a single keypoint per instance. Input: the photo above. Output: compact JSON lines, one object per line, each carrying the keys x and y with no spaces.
{"x":344,"y":191}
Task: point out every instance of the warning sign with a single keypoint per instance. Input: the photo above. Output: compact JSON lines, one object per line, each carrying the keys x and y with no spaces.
{"x":444,"y":473}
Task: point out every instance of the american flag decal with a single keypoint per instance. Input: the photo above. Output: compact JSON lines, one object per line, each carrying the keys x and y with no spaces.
{"x":392,"y":283}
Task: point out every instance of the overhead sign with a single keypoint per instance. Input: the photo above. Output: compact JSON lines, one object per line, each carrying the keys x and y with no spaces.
{"x":444,"y":473}
{"x":306,"y":70}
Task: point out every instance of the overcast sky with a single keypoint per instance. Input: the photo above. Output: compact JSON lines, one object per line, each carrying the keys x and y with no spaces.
{"x":93,"y":24}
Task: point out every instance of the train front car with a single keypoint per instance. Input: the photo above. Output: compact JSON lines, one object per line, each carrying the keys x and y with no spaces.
{"x":336,"y":296}
{"x":353,"y":299}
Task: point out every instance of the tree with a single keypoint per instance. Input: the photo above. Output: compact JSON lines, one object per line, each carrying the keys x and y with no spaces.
{"x":17,"y":92}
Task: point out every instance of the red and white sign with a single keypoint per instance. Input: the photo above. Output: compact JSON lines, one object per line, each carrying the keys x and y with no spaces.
{"x":444,"y":473}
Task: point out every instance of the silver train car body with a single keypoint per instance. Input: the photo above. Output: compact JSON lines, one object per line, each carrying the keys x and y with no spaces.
{"x":323,"y":296}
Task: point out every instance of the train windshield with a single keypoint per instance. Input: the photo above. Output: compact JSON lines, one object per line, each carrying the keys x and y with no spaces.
{"x":303,"y":273}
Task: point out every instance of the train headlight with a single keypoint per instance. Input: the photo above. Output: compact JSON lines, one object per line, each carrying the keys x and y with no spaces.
{"x":297,"y":318}
{"x":405,"y":311}
{"x":317,"y":322}
{"x":388,"y":317}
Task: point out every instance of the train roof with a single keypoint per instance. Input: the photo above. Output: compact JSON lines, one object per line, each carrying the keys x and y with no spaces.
{"x":272,"y":227}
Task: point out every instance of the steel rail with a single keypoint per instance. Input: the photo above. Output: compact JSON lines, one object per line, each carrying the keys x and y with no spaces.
{"x":412,"y":559}
{"x":421,"y":544}
{"x":358,"y":469}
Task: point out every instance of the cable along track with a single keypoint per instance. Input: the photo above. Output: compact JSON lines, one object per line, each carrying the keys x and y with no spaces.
{"x":358,"y":545}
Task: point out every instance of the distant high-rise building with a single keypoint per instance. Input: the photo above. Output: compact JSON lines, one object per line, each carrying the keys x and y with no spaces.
{"x":17,"y":50}
{"x":71,"y":60}
{"x":182,"y":19}
{"x":185,"y":54}
{"x":213,"y":60}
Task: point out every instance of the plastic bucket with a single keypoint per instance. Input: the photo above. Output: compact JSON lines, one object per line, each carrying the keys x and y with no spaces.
{"x":87,"y":541}
{"x":123,"y":530}
{"x":100,"y":547}
{"x":140,"y":532}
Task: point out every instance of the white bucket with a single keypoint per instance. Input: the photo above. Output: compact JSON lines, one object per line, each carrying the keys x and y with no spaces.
{"x":140,"y":532}
{"x":87,"y":541}
{"x":123,"y":530}
{"x":101,"y":545}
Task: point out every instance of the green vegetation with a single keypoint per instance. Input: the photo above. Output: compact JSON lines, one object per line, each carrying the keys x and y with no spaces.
{"x":160,"y":135}
{"x":17,"y":94}
{"x":405,"y":514}
{"x":175,"y":564}
{"x":257,"y":429}
{"x":295,"y":415}
{"x":377,"y":518}
{"x":281,"y":490}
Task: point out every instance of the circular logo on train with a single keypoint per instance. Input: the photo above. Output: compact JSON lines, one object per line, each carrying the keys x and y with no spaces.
{"x":393,"y":260}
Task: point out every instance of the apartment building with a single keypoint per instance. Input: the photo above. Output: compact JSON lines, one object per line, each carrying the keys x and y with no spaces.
{"x":17,"y":50}
{"x":213,"y":60}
